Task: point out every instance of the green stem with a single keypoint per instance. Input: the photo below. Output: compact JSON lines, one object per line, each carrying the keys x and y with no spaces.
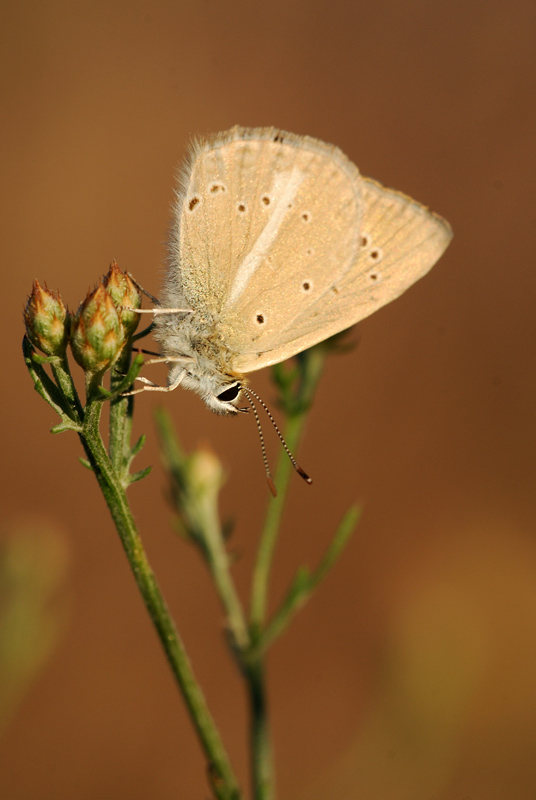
{"x":121,"y":409}
{"x":261,"y":574}
{"x":297,"y":397}
{"x":199,"y":512}
{"x":65,"y":383}
{"x":218,"y":564}
{"x":261,"y":750}
{"x":305,"y":583}
{"x":224,"y":783}
{"x":297,"y":391}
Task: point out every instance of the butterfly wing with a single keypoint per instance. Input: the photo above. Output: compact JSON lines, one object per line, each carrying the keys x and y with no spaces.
{"x":260,"y":210}
{"x":399,"y":241}
{"x":280,"y":240}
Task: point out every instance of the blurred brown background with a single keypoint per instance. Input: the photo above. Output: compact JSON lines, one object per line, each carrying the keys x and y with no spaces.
{"x":411,"y":674}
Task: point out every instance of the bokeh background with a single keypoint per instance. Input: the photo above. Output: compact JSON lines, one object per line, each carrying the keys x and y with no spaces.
{"x":411,"y":673}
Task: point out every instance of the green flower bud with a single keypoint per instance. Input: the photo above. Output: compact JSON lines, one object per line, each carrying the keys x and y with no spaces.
{"x":205,"y":475}
{"x":125,"y":295}
{"x":203,"y":478}
{"x":97,"y":335}
{"x":46,"y":321}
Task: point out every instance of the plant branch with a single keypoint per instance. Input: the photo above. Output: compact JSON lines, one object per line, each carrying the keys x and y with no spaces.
{"x":112,"y":473}
{"x":297,"y":388}
{"x":223,"y":780}
{"x":305,"y":583}
{"x":195,"y":484}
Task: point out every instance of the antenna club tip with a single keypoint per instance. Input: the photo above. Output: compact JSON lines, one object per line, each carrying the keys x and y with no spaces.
{"x":271,"y":485}
{"x":304,"y":475}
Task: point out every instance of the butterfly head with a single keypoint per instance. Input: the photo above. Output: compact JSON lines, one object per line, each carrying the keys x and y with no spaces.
{"x":220,"y":392}
{"x":224,"y":400}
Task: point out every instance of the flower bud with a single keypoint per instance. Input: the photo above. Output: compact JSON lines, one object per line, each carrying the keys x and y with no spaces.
{"x":205,"y":474}
{"x":125,"y":295}
{"x":97,"y":335}
{"x":46,"y":321}
{"x":202,"y":476}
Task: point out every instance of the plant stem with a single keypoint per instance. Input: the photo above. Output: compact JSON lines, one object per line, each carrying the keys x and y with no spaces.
{"x":218,"y":564}
{"x":65,"y":383}
{"x":224,"y":783}
{"x":297,"y":401}
{"x":305,"y":583}
{"x":261,"y":750}
{"x":270,"y":532}
{"x":198,"y":509}
{"x":121,"y":409}
{"x":297,"y":395}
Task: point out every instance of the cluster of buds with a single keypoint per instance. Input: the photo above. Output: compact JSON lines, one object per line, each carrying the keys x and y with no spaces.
{"x":97,"y":332}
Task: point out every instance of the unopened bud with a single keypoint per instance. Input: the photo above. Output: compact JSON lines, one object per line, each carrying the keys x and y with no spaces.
{"x":46,"y":321}
{"x":198,"y":497}
{"x":205,"y":474}
{"x":97,"y":335}
{"x":125,"y":295}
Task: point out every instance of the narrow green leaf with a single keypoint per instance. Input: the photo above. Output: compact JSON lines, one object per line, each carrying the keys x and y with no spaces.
{"x":304,"y":583}
{"x":43,"y":384}
{"x":138,"y":446}
{"x":66,"y":425}
{"x":37,"y":358}
{"x":342,"y":535}
{"x":137,"y":476}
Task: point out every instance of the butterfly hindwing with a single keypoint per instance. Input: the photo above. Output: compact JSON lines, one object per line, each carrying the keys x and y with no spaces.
{"x":399,"y":241}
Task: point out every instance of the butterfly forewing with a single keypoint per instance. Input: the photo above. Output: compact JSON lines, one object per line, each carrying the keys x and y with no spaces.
{"x":261,"y":212}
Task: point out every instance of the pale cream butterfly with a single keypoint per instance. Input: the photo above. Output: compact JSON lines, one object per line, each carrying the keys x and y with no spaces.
{"x":277,"y":243}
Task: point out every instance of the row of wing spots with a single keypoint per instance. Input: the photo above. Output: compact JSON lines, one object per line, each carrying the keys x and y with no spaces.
{"x":209,"y":197}
{"x":263,"y":198}
{"x":311,"y":263}
{"x":254,"y":163}
{"x":205,"y":236}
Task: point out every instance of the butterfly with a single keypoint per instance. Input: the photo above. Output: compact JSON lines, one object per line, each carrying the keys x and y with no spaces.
{"x":277,"y":243}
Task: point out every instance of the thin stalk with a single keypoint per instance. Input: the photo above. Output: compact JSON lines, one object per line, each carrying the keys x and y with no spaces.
{"x":65,"y":383}
{"x":297,"y":401}
{"x":306,"y":583}
{"x":197,"y":506}
{"x":218,"y":564}
{"x":260,"y":738}
{"x":224,"y":783}
{"x":262,"y":770}
{"x":121,"y":409}
{"x":284,"y":471}
{"x":297,"y":394}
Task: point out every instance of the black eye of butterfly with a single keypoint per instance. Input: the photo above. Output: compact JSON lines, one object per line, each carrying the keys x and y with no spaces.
{"x":229,"y":394}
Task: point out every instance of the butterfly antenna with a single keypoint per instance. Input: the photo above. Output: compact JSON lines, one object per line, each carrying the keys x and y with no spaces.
{"x":293,"y":461}
{"x":269,"y":478}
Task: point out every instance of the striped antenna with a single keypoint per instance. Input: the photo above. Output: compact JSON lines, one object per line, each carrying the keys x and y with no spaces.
{"x":249,"y":394}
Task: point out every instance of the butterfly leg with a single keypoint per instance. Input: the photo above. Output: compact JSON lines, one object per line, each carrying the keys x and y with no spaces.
{"x":156,"y":311}
{"x":151,"y":297}
{"x":171,"y":360}
{"x":158,"y":359}
{"x":154,"y":387}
